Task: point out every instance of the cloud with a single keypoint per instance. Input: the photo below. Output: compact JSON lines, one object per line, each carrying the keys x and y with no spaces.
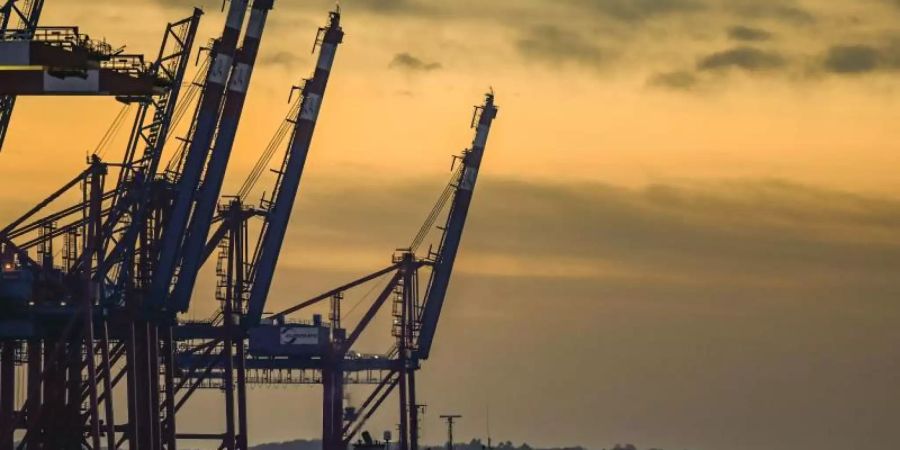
{"x":391,"y":6}
{"x":745,"y":33}
{"x":852,"y":59}
{"x":406,"y":61}
{"x":637,"y":10}
{"x":551,"y":44}
{"x":373,"y":6}
{"x":677,"y":80}
{"x":285,"y":59}
{"x":745,"y":58}
{"x":380,"y":7}
{"x":597,"y":33}
{"x":744,"y":230}
{"x":208,"y":5}
{"x":739,"y":233}
{"x":857,"y":59}
{"x":793,"y":15}
{"x":779,"y":10}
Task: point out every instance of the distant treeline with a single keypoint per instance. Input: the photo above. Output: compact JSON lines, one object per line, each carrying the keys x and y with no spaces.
{"x":299,"y":444}
{"x":474,"y":444}
{"x":477,"y":444}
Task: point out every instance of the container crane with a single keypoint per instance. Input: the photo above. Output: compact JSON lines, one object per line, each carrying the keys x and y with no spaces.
{"x":27,"y":13}
{"x":230,"y":327}
{"x":107,"y":315}
{"x":206,"y":122}
{"x":211,"y":187}
{"x":282,"y":200}
{"x":445,"y":256}
{"x":278,"y":346}
{"x":69,"y":62}
{"x":70,"y":324}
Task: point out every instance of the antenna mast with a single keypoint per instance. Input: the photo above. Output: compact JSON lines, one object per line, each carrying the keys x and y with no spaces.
{"x":450,"y":418}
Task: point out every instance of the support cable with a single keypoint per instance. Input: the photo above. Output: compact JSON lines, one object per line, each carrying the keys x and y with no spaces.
{"x":192,"y":91}
{"x":196,"y":86}
{"x":436,"y":210}
{"x":266,"y":157}
{"x":112,"y":131}
{"x":378,"y":284}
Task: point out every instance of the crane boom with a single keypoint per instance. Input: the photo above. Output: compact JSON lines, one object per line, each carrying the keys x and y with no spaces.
{"x":206,"y":123}
{"x":135,"y":185}
{"x":208,"y":195}
{"x":278,"y":215}
{"x":456,"y":220}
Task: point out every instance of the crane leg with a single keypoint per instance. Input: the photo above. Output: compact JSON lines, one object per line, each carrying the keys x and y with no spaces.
{"x":7,"y":389}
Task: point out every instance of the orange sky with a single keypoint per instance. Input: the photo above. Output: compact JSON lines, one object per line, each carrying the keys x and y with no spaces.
{"x":686,"y":232}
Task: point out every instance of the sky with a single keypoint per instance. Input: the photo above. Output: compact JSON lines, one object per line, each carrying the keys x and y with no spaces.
{"x":686,"y":232}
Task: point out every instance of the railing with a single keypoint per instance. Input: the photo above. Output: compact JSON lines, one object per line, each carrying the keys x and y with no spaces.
{"x":133,"y":65}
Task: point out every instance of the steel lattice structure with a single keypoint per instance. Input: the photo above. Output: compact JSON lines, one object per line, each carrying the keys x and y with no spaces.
{"x":93,"y":291}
